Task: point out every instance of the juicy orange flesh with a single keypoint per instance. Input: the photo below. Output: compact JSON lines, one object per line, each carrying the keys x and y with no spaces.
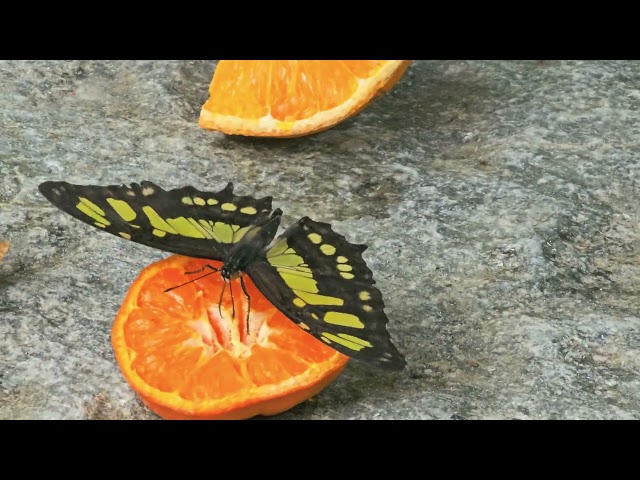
{"x":289,"y":90}
{"x":178,"y":342}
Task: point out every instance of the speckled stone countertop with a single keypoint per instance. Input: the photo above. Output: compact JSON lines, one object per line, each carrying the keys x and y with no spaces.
{"x":499,"y":201}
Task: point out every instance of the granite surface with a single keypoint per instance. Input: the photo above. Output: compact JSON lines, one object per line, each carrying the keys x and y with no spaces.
{"x":499,"y":200}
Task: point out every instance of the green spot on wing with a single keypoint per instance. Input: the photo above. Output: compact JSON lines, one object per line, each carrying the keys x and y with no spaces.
{"x":122,"y":208}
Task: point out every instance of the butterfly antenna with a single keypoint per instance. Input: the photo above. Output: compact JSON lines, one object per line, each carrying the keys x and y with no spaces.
{"x":191,"y":281}
{"x":244,"y":289}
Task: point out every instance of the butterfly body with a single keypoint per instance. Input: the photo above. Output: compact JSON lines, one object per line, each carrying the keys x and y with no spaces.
{"x":251,"y":246}
{"x":310,"y":273}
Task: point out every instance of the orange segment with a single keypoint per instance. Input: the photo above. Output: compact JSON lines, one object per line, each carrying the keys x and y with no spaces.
{"x":186,"y":361}
{"x":288,"y":98}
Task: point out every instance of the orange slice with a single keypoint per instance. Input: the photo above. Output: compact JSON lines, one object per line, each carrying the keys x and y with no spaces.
{"x":4,"y":248}
{"x":186,"y":361}
{"x":289,"y":98}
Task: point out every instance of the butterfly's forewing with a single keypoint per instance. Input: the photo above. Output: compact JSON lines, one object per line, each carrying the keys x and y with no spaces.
{"x":320,"y":281}
{"x":184,"y":220}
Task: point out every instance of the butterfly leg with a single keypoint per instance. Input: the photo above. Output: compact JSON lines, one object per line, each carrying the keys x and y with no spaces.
{"x":233,"y":304}
{"x":201,"y":269}
{"x":220,"y":301}
{"x":244,"y":289}
{"x":213,"y":270}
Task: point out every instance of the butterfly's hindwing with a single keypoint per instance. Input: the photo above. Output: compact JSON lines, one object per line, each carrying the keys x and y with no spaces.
{"x":184,"y":220}
{"x":320,"y":281}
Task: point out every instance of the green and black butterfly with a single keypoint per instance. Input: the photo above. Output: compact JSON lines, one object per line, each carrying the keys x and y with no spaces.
{"x":310,"y":273}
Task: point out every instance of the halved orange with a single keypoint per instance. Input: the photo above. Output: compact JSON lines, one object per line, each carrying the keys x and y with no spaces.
{"x":186,"y":361}
{"x":289,"y":98}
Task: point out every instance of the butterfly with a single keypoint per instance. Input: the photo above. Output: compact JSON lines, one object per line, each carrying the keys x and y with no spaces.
{"x":312,"y":274}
